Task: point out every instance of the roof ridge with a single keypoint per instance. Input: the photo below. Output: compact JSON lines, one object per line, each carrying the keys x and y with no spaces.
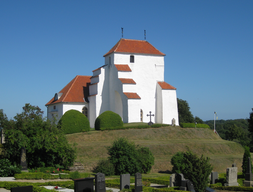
{"x":70,"y":87}
{"x":117,"y":45}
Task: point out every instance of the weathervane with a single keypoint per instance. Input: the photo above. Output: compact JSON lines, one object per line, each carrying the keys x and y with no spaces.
{"x":122,"y":31}
{"x":145,"y":34}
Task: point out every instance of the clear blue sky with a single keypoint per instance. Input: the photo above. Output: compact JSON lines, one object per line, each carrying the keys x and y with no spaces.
{"x":208,"y":44}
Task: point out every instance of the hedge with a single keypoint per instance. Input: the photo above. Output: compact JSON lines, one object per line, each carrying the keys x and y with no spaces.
{"x":144,"y":126}
{"x":73,"y":122}
{"x":108,"y":119}
{"x":192,"y":125}
{"x":34,"y":175}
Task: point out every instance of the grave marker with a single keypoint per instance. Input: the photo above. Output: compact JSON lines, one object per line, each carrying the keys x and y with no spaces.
{"x":214,"y":177}
{"x":231,"y":177}
{"x":124,"y":181}
{"x":100,"y":182}
{"x":83,"y":185}
{"x":22,"y":189}
{"x":23,"y":162}
{"x":138,"y":182}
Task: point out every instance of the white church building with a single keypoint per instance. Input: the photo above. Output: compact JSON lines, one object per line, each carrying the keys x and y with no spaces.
{"x":130,"y":83}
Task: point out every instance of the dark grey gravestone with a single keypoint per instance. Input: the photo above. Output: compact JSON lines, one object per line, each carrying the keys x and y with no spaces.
{"x":209,"y":189}
{"x":22,"y":189}
{"x":125,"y":181}
{"x":183,"y":186}
{"x":23,"y":162}
{"x":83,"y":185}
{"x":248,"y":175}
{"x":100,"y":182}
{"x":190,"y":186}
{"x":214,"y":177}
{"x":179,"y":178}
{"x":138,"y":182}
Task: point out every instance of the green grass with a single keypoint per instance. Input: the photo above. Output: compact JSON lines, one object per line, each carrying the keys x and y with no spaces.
{"x":163,"y":142}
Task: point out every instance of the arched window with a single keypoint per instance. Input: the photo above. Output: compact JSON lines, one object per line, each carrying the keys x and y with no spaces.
{"x":85,"y":111}
{"x":131,"y":59}
{"x":141,"y":113}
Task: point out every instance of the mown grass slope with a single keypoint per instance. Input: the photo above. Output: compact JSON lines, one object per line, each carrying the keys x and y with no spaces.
{"x":163,"y":142}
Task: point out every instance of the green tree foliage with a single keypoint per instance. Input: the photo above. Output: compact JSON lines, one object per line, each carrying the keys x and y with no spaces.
{"x":196,"y":169}
{"x":250,"y":129}
{"x":185,"y":115}
{"x":7,"y":169}
{"x":74,"y":121}
{"x":106,"y":167}
{"x":128,"y":158}
{"x":245,"y":160}
{"x":108,"y":119}
{"x":177,"y":162}
{"x":225,"y":130}
{"x":45,"y":144}
{"x":198,"y":120}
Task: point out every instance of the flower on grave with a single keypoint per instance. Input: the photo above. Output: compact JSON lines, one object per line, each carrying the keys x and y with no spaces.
{"x":47,"y":171}
{"x":58,"y":169}
{"x":56,"y":187}
{"x":35,"y":171}
{"x":53,"y":171}
{"x":62,"y":170}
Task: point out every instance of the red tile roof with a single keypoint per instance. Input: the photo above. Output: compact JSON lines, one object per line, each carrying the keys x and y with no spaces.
{"x":134,"y":46}
{"x":127,"y":81}
{"x":123,"y":67}
{"x":132,"y":95}
{"x":75,"y":91}
{"x":165,"y":85}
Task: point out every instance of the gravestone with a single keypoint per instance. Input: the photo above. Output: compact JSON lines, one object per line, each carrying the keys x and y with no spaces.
{"x":231,"y":177}
{"x":190,"y":186}
{"x":22,"y":189}
{"x":150,"y":115}
{"x":173,"y":122}
{"x":100,"y":182}
{"x":214,"y":177}
{"x":138,"y":182}
{"x":23,"y":162}
{"x":2,"y":136}
{"x":173,"y":180}
{"x":179,"y":178}
{"x":209,"y":190}
{"x":124,"y":181}
{"x":83,"y":185}
{"x":183,"y":186}
{"x":248,"y":175}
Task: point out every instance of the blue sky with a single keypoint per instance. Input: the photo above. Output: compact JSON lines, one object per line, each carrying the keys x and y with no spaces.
{"x":208,"y":44}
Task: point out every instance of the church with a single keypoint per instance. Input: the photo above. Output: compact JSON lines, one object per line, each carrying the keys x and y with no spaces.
{"x":130,"y":83}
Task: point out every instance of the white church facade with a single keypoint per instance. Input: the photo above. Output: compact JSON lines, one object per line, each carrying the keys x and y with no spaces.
{"x":130,"y":83}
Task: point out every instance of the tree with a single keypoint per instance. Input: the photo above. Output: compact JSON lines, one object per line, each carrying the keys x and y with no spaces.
{"x":196,"y":169}
{"x":185,"y":115}
{"x":177,"y":162}
{"x":128,"y":158}
{"x":45,"y":144}
{"x":245,"y":160}
{"x":198,"y":120}
{"x":250,"y":120}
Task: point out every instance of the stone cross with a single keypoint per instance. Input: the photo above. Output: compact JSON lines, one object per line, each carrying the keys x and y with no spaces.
{"x":150,"y":122}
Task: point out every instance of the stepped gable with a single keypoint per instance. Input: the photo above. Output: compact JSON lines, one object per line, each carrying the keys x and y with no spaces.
{"x":75,"y":91}
{"x":134,"y":46}
{"x":165,"y":85}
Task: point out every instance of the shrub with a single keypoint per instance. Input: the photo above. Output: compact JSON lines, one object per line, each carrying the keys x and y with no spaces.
{"x":108,"y":119}
{"x":128,"y":158}
{"x":106,"y":167}
{"x":75,"y":175}
{"x":177,"y":162}
{"x":6,"y":169}
{"x":246,"y":155}
{"x":197,"y":170}
{"x":73,"y":122}
{"x":192,"y":125}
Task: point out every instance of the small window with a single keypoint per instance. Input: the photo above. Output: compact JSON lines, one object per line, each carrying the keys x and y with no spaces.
{"x":85,"y":111}
{"x":131,"y":59}
{"x":141,"y":115}
{"x":54,"y":107}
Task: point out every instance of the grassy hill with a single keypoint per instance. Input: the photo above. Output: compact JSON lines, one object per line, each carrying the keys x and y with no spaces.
{"x":163,"y":142}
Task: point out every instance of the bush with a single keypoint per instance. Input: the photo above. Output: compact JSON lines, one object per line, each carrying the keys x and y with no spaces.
{"x":128,"y":158}
{"x":246,"y":155}
{"x":177,"y":162}
{"x":192,"y":125}
{"x":106,"y":167}
{"x":108,"y":119}
{"x":73,"y":122}
{"x":6,"y":169}
{"x":196,"y":169}
{"x":75,"y":175}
